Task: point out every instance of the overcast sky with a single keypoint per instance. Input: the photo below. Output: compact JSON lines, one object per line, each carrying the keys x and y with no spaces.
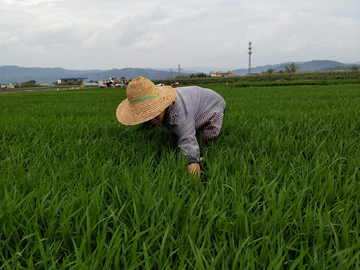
{"x":106,"y":34}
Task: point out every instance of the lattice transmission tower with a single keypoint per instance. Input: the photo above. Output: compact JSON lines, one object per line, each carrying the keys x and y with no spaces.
{"x":250,"y":52}
{"x":179,"y":70}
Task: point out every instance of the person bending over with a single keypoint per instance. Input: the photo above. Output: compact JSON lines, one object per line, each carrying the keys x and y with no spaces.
{"x":187,"y":112}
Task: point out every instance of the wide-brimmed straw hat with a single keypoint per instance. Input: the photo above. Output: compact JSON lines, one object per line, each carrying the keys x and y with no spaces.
{"x":144,"y":101}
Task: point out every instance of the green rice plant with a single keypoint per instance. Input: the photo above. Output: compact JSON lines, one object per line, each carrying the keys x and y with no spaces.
{"x":279,"y":186}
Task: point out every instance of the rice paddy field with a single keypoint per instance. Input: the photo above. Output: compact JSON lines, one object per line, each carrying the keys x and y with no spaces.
{"x":279,"y":187}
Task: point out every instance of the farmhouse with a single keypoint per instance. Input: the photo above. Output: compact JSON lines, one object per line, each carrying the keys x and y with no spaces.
{"x":72,"y":80}
{"x":107,"y":82}
{"x":5,"y":86}
{"x":222,"y":74}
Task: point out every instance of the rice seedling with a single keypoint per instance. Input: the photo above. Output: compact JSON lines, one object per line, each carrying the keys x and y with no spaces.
{"x":279,"y":186}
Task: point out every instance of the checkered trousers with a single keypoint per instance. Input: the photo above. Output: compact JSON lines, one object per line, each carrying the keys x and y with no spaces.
{"x":207,"y":124}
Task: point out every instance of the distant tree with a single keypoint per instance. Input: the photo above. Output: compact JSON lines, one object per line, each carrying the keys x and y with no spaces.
{"x":280,"y":71}
{"x":31,"y":83}
{"x":270,"y":71}
{"x":354,"y":68}
{"x":198,"y":75}
{"x":202,"y":75}
{"x":292,"y":68}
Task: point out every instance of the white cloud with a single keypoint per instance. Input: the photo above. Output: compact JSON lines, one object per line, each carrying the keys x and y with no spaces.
{"x":127,"y":30}
{"x":8,"y":39}
{"x":150,"y":43}
{"x":11,"y":43}
{"x":98,"y":40}
{"x":38,"y":49}
{"x":29,"y":2}
{"x":212,"y":33}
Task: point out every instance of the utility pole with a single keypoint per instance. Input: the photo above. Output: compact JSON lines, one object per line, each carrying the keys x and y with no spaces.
{"x":250,"y":52}
{"x":179,"y":70}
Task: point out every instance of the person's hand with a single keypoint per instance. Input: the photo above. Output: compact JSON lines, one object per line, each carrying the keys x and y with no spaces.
{"x":194,"y":168}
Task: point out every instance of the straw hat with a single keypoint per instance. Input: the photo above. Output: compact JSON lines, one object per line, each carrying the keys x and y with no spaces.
{"x":144,"y":101}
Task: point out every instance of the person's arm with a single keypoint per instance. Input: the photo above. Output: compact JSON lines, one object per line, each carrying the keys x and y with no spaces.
{"x":193,"y":163}
{"x":189,"y":146}
{"x":183,"y":127}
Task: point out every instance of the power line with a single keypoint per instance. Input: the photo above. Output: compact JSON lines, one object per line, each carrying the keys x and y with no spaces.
{"x":312,"y":47}
{"x":319,"y":44}
{"x":322,"y":33}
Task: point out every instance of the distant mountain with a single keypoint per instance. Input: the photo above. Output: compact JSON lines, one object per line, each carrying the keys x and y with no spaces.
{"x":15,"y":74}
{"x":316,"y":65}
{"x":245,"y":71}
{"x":130,"y":73}
{"x":326,"y":65}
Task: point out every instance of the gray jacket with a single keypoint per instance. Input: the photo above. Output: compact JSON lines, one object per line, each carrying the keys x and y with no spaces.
{"x":191,"y":102}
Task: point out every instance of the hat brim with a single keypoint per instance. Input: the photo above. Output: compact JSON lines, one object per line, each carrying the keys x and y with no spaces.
{"x":142,"y":111}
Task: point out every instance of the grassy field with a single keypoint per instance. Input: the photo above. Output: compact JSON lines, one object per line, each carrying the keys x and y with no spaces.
{"x":337,"y":77}
{"x":46,"y":88}
{"x":280,"y":185}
